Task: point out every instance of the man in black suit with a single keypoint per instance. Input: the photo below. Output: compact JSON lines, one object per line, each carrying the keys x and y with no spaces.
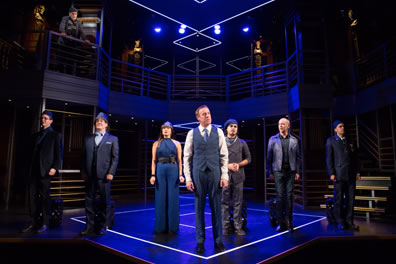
{"x":343,"y":170}
{"x":46,"y":159}
{"x":99,"y":164}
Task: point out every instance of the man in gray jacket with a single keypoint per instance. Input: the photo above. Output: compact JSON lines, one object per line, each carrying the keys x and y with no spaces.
{"x":238,"y":158}
{"x":283,"y":165}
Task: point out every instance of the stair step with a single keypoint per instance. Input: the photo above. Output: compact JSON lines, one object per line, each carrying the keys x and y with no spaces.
{"x":363,"y":209}
{"x":375,"y":188}
{"x":363,"y":198}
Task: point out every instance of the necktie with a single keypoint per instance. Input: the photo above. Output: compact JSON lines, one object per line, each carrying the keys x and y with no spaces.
{"x":205,"y":134}
{"x":98,"y":138}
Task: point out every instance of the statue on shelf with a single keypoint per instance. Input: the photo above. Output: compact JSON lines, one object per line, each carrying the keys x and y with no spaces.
{"x":258,"y":54}
{"x":35,"y":27}
{"x":135,"y":55}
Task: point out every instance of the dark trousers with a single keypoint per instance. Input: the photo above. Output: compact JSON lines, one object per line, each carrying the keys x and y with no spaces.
{"x":40,"y":201}
{"x":234,"y":191}
{"x":344,"y":193}
{"x":103,"y":187}
{"x":284,"y":182}
{"x":205,"y":183}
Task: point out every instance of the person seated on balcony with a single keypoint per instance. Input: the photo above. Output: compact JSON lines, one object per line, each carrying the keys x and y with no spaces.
{"x":68,"y":52}
{"x":343,"y":170}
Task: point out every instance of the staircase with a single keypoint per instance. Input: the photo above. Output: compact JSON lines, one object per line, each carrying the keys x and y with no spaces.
{"x":376,"y":156}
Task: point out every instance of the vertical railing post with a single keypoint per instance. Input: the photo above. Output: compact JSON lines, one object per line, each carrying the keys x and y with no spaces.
{"x":48,"y":50}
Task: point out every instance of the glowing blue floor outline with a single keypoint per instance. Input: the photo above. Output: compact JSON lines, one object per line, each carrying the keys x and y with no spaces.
{"x":77,"y":219}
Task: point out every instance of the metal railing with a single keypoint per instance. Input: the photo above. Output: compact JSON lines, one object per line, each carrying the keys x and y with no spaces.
{"x":12,"y":55}
{"x":72,"y":56}
{"x":137,"y":80}
{"x":202,"y":87}
{"x":377,"y":65}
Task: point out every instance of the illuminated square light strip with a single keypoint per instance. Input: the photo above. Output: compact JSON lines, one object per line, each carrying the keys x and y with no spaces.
{"x":211,"y":65}
{"x":192,"y":125}
{"x":215,"y":41}
{"x":163,"y":62}
{"x":237,"y":15}
{"x":202,"y":30}
{"x":229,"y":63}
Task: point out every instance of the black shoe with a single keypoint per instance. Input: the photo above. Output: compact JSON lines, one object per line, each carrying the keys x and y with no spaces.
{"x":42,"y":229}
{"x":290,"y":226}
{"x":200,"y":248}
{"x":353,"y":227}
{"x":219,"y":247}
{"x":30,"y":229}
{"x":341,"y":226}
{"x":281,"y":228}
{"x":102,"y":231}
{"x":86,"y":232}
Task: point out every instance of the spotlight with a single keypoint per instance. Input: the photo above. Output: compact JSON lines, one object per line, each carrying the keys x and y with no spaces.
{"x":157,"y":29}
{"x":217,"y":30}
{"x":245,"y":29}
{"x":182,"y":29}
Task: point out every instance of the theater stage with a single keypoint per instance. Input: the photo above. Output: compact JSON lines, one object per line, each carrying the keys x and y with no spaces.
{"x":132,"y":237}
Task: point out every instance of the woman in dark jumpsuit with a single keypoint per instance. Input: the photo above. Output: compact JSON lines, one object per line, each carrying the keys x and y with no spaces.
{"x":166,"y":174}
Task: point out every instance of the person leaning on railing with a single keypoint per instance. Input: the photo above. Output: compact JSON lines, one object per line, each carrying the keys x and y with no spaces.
{"x":68,"y":56}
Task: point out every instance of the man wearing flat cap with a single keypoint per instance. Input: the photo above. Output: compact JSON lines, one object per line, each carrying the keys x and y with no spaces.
{"x":343,"y":169}
{"x":46,"y":160}
{"x":99,"y":165}
{"x":71,"y":26}
{"x":69,"y":55}
{"x":238,"y":158}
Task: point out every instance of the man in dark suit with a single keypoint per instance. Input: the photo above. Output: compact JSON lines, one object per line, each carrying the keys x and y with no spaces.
{"x":283,"y":162}
{"x":99,"y":164}
{"x":343,"y":170}
{"x":205,"y":168}
{"x":46,"y":159}
{"x":238,"y":158}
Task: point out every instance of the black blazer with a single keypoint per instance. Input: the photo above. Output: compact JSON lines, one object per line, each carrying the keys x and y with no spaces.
{"x":107,"y":156}
{"x":50,"y":153}
{"x":341,"y":159}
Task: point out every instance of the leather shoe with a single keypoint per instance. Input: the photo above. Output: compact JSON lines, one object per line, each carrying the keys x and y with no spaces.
{"x":290,"y":226}
{"x":29,"y":229}
{"x":240,"y":232}
{"x":86,"y":232}
{"x":200,"y":248}
{"x":219,"y":247}
{"x":353,"y":227}
{"x":42,"y":229}
{"x":102,"y":231}
{"x":281,"y":228}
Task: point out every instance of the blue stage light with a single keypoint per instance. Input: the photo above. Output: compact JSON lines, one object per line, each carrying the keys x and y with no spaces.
{"x":157,"y":29}
{"x":217,"y":29}
{"x":245,"y":29}
{"x":182,"y":29}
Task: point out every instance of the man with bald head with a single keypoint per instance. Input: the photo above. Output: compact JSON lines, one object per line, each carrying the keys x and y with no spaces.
{"x":283,"y":166}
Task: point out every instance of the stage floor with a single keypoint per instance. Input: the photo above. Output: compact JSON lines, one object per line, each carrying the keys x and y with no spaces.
{"x":132,"y":233}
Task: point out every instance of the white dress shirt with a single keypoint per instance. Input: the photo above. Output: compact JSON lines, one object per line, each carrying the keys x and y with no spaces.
{"x":188,"y":152}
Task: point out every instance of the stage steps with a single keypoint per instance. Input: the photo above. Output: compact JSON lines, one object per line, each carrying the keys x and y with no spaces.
{"x":371,"y":194}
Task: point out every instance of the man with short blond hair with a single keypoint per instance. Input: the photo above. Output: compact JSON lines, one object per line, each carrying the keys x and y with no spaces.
{"x":205,"y":168}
